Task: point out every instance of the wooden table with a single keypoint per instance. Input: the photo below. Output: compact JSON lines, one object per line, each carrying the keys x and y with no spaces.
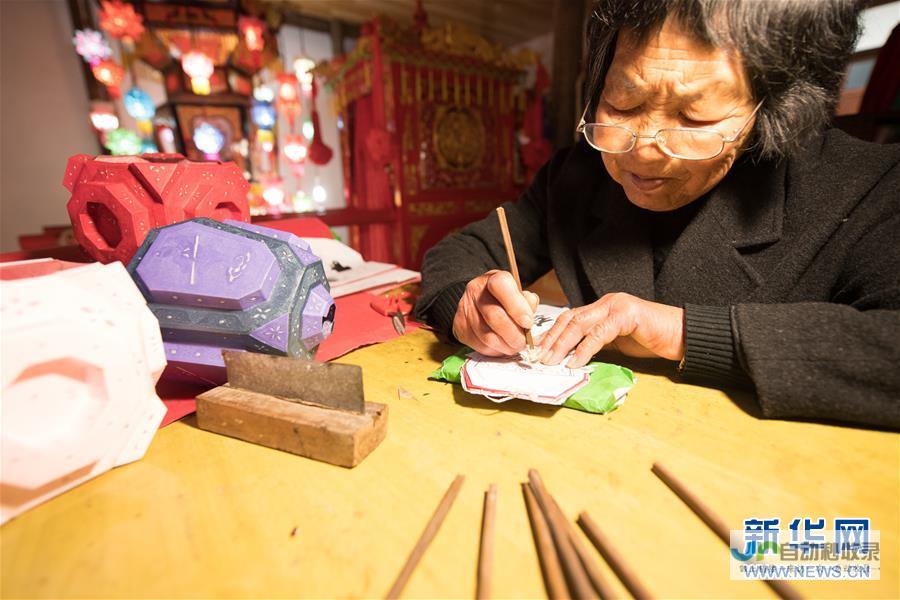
{"x":204,"y":515}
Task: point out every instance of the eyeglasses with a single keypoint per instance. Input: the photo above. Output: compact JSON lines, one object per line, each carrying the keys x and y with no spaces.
{"x":677,"y":142}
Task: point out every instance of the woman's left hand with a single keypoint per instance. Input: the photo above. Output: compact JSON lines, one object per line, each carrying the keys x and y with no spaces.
{"x":633,"y":326}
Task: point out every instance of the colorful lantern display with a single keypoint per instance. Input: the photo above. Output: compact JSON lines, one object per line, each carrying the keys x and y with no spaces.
{"x":199,"y":67}
{"x":119,"y":20}
{"x":91,"y":45}
{"x":139,"y":104}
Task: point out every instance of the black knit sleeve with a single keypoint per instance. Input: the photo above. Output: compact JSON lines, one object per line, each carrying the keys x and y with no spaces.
{"x":710,"y":353}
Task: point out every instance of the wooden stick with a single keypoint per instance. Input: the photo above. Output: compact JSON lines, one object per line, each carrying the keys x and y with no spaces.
{"x":427,"y":535}
{"x":587,"y":560}
{"x":606,"y":548}
{"x":714,"y":522}
{"x":486,"y":551}
{"x":554,"y":580}
{"x":511,"y":256}
{"x":579,"y":584}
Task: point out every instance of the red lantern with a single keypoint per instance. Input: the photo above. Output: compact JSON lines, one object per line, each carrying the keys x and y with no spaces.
{"x":252,"y":31}
{"x":120,"y":21}
{"x":288,"y":96}
{"x":287,"y":89}
{"x":110,"y":74}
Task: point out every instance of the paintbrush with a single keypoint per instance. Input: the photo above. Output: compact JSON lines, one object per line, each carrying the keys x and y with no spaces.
{"x":531,"y":351}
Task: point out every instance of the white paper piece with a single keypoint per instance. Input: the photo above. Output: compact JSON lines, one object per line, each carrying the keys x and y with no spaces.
{"x":544,"y":318}
{"x":505,"y":378}
{"x":394,"y":275}
{"x":348,"y":273}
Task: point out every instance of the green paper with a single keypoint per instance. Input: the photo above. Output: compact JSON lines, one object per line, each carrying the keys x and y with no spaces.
{"x":598,"y":396}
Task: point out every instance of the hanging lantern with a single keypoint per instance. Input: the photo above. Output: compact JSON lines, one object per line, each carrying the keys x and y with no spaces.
{"x":287,"y":89}
{"x":209,"y":140}
{"x":123,"y":142}
{"x":119,"y":20}
{"x":103,"y":118}
{"x":110,"y":74}
{"x":252,"y":31}
{"x":139,"y":104}
{"x":263,"y":114}
{"x":199,"y":67}
{"x":303,"y":69}
{"x":294,"y":149}
{"x":263,"y":94}
{"x":91,"y":46}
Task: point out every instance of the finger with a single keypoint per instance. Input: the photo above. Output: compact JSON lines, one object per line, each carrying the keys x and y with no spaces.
{"x":581,"y":322}
{"x":470,"y":329}
{"x":533,"y":300}
{"x":503,"y":287}
{"x":499,"y":322}
{"x":597,"y":337}
{"x":547,"y":340}
{"x":492,"y":344}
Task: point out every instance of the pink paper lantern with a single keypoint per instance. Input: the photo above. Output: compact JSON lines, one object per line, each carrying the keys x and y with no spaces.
{"x":81,"y":356}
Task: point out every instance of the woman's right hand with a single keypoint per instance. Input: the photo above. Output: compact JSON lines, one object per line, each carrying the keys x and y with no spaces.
{"x":493,"y":314}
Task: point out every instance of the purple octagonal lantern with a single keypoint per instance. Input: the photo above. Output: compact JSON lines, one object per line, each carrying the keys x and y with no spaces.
{"x":231,"y":285}
{"x":188,"y":265}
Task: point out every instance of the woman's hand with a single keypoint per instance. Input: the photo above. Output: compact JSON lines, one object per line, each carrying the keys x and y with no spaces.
{"x":493,"y":314}
{"x":633,"y":326}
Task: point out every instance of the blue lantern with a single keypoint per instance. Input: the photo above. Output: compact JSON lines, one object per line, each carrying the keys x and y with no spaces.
{"x":148,"y":147}
{"x":208,"y":139}
{"x":139,"y":105}
{"x":263,"y":114}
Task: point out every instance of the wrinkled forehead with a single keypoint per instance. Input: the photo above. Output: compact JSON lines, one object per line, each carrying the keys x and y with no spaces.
{"x":671,"y":63}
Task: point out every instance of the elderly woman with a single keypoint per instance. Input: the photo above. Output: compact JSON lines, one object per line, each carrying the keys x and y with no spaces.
{"x":705,"y":217}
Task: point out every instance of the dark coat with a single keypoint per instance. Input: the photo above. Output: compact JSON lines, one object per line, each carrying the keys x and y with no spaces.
{"x":804,"y":253}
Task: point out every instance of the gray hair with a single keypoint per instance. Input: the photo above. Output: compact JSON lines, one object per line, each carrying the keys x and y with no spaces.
{"x":794,"y":53}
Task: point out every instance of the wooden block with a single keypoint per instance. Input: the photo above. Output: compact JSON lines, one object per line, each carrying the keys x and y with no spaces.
{"x":333,"y":436}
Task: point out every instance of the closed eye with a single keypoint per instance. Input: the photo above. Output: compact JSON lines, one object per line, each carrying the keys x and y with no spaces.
{"x":696,"y":122}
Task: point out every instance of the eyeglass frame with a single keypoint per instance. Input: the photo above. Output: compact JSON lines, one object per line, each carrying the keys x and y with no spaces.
{"x":582,"y":125}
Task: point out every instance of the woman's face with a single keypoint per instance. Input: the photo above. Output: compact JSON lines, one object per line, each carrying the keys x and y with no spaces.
{"x":672,"y":80}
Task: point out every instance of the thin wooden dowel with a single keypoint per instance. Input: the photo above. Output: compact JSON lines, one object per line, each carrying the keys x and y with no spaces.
{"x":427,"y":535}
{"x":486,"y":550}
{"x":511,"y":256}
{"x":579,"y":583}
{"x":598,"y":580}
{"x":554,"y":580}
{"x":617,"y":564}
{"x":715,"y":523}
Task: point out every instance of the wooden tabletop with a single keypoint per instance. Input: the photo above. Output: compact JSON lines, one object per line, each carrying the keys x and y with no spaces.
{"x":204,"y":515}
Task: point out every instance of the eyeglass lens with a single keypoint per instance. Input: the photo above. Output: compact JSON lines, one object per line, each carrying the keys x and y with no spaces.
{"x":696,"y":144}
